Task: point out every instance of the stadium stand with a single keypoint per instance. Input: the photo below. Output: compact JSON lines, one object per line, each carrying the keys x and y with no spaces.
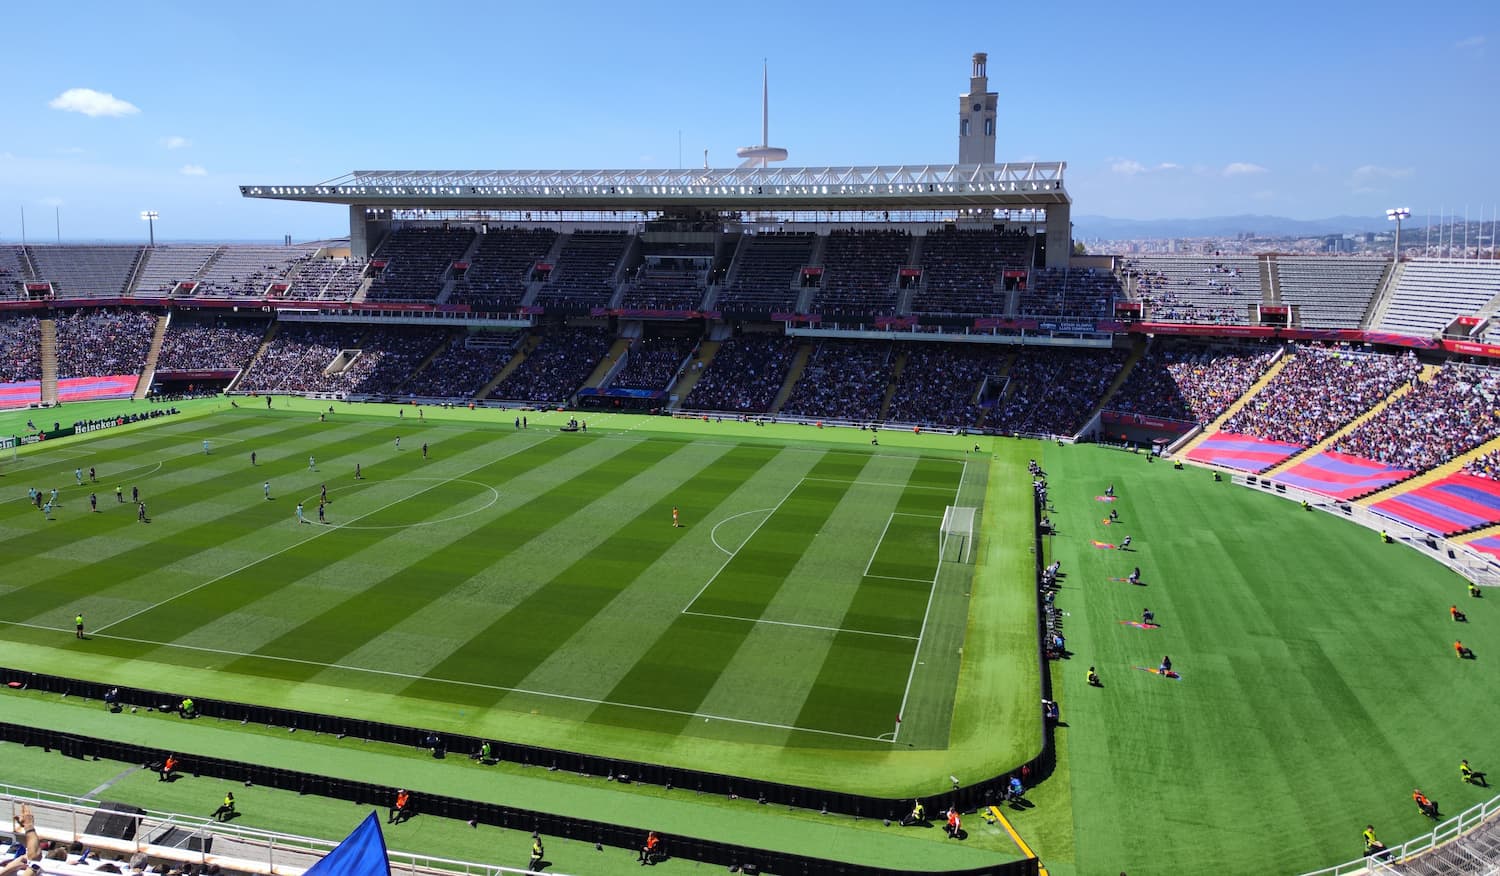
{"x":1053,"y":391}
{"x":310,"y":357}
{"x":334,"y":279}
{"x":297,"y":357}
{"x":417,"y":261}
{"x":107,"y":342}
{"x":462,"y":370}
{"x":1330,"y":292}
{"x":500,"y":267}
{"x":560,"y":363}
{"x":745,"y":376}
{"x":1209,"y":289}
{"x":217,"y":345}
{"x":584,"y":274}
{"x":653,"y":363}
{"x":85,"y":271}
{"x":1070,"y":294}
{"x":844,"y":380}
{"x":1439,"y":419}
{"x":1432,"y":292}
{"x":12,"y":273}
{"x":388,"y":355}
{"x":20,"y":348}
{"x":671,"y":284}
{"x":1296,"y":407}
{"x":939,"y":383}
{"x":1451,"y":505}
{"x":963,"y":271}
{"x":860,"y":272}
{"x":163,"y":267}
{"x":765,"y":272}
{"x":238,"y":271}
{"x":1189,"y":382}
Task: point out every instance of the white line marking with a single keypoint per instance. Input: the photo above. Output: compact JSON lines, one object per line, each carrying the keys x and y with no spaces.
{"x":899,"y":578}
{"x":875,"y":550}
{"x":761,"y":620}
{"x":712,"y":533}
{"x":911,"y":514}
{"x":729,"y":559}
{"x":494,"y":497}
{"x":859,"y":483}
{"x":318,"y":534}
{"x":475,"y":684}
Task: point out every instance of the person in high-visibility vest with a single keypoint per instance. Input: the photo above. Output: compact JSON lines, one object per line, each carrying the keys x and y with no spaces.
{"x":537,"y":852}
{"x":168,"y":766}
{"x":954,"y":825}
{"x":649,"y":850}
{"x":402,"y":809}
{"x":226,"y":809}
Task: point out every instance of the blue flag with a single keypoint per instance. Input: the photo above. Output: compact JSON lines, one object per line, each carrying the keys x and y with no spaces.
{"x":362,"y":853}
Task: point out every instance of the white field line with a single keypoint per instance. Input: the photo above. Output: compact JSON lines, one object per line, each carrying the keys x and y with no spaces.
{"x":713,"y":533}
{"x":729,"y":559}
{"x":899,"y":578}
{"x":860,"y":483}
{"x":875,"y":550}
{"x":761,"y":620}
{"x":474,"y":684}
{"x":317,"y":534}
{"x":71,"y":454}
{"x":922,"y":633}
{"x":76,"y":486}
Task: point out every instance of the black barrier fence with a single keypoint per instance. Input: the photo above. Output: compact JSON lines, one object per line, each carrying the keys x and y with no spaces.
{"x":964,"y":797}
{"x":432,"y":805}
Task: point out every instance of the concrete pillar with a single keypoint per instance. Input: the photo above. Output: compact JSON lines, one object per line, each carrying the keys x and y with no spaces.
{"x":1059,"y":235}
{"x":366,"y":230}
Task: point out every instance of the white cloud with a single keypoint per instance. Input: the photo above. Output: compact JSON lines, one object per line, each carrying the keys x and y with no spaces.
{"x":92,"y":103}
{"x":193,"y":170}
{"x":1242,"y":168}
{"x":175,"y":142}
{"x":1374,"y":171}
{"x":1472,"y":42}
{"x":1126,"y":166}
{"x":1168,"y":165}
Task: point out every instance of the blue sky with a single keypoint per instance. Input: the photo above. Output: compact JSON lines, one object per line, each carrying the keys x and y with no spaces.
{"x":1160,"y":109}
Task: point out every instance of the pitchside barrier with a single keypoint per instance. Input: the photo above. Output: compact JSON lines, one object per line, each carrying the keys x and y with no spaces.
{"x":432,"y":805}
{"x":966,"y":798}
{"x":1447,"y":840}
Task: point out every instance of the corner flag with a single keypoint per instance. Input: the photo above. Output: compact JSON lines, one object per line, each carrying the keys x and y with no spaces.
{"x":362,"y":853}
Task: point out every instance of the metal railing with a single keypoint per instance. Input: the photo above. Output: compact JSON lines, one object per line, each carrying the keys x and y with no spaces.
{"x":1449,"y":831}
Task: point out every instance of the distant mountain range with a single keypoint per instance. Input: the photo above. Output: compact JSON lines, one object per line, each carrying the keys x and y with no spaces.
{"x":1107,"y":228}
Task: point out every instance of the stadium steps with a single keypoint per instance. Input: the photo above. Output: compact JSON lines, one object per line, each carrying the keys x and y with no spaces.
{"x":1237,"y":406}
{"x":456,"y":338}
{"x":1137,"y":352}
{"x":49,"y":361}
{"x":1452,"y":466}
{"x":1270,"y":281}
{"x":135,"y":273}
{"x":793,"y":374}
{"x":614,"y":357}
{"x":706,"y":353}
{"x":890,"y":389}
{"x":1382,"y":301}
{"x":998,"y":377}
{"x":259,"y":351}
{"x":450,"y":280}
{"x":1428,"y":372}
{"x":511,"y":365}
{"x":148,"y":372}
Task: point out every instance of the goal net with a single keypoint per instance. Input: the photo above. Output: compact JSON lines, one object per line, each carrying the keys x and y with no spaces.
{"x":957,"y":538}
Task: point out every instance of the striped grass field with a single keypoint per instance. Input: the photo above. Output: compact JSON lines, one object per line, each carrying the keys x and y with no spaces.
{"x":524,"y":584}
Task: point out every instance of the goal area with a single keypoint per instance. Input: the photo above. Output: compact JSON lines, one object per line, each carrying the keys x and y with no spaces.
{"x":957,"y":538}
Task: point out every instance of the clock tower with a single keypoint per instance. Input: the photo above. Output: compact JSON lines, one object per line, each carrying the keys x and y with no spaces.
{"x":976,"y":117}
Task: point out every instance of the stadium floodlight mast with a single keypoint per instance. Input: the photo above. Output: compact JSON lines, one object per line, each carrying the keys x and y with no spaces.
{"x":1395,"y":215}
{"x":150,"y":217}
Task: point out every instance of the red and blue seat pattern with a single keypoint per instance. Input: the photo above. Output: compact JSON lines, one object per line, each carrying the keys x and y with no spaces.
{"x":1341,"y":476}
{"x":1456,"y":503}
{"x":19,"y":395}
{"x":85,"y":388}
{"x":1243,"y":452}
{"x":1490,"y":544}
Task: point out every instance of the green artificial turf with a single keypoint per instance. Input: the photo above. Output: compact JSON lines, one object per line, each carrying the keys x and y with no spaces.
{"x":528,"y":584}
{"x":1319,"y":683}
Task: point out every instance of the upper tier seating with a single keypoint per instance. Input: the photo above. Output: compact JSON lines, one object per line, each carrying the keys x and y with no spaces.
{"x":249,"y":270}
{"x":1084,"y":293}
{"x":417,"y":261}
{"x":860,"y":271}
{"x":1212,"y":289}
{"x":765,"y":274}
{"x":962,"y":271}
{"x":327,"y":279}
{"x":12,"y":273}
{"x":166,"y":266}
{"x":501,"y":266}
{"x":1432,"y":292}
{"x":85,"y":271}
{"x":674,"y":284}
{"x":1330,"y":292}
{"x":584,"y":273}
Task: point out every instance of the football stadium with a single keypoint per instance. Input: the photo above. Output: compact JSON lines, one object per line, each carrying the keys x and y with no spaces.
{"x":781,"y":519}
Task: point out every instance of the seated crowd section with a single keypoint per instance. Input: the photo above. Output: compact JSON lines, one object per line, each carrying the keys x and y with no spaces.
{"x":220,"y":344}
{"x":501,"y":266}
{"x":940,"y":384}
{"x":1053,"y":391}
{"x":313,"y":357}
{"x":335,"y":279}
{"x":765,"y":274}
{"x":1082,"y":294}
{"x":1202,"y":289}
{"x":239,"y":271}
{"x":463,"y":369}
{"x":745,"y":376}
{"x":653,"y":363}
{"x":104,"y":342}
{"x":417,"y":262}
{"x":20,"y":348}
{"x":843,"y":380}
{"x":860,"y":273}
{"x":584,"y":274}
{"x":963,"y":270}
{"x":667,"y":284}
{"x":1190,"y":382}
{"x":556,"y":367}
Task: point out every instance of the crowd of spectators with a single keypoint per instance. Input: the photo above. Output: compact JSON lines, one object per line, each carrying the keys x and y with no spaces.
{"x":670,"y":284}
{"x":417,"y":261}
{"x":1452,"y":413}
{"x":1486,"y":466}
{"x":103,"y":342}
{"x":501,"y":267}
{"x":203,"y":346}
{"x":387,"y":356}
{"x":745,"y":375}
{"x":584,"y":274}
{"x":1053,"y":391}
{"x":765,"y":272}
{"x":962,"y":271}
{"x":1190,"y":383}
{"x":557,"y":366}
{"x":1083,"y":293}
{"x":460,"y":371}
{"x":844,"y":380}
{"x":296,"y":358}
{"x":939,"y":383}
{"x":1319,"y":391}
{"x":652,"y":363}
{"x":20,"y":348}
{"x":860,"y":271}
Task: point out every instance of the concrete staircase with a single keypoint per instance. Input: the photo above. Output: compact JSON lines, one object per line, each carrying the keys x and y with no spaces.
{"x":49,"y":361}
{"x":890,"y":390}
{"x":1238,"y":404}
{"x":1382,"y":301}
{"x":511,"y":365}
{"x":1428,"y":372}
{"x":684,"y":387}
{"x":259,"y":351}
{"x":607,"y":364}
{"x":456,"y":338}
{"x":1137,"y":352}
{"x":1452,"y":466}
{"x":148,"y":373}
{"x":793,"y":374}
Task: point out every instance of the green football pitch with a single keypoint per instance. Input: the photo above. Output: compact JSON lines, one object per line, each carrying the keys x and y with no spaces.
{"x":805,"y":623}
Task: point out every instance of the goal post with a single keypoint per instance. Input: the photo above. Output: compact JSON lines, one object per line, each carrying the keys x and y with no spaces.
{"x":957,"y":537}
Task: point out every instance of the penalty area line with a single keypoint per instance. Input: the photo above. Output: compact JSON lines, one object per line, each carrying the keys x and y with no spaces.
{"x":761,"y":620}
{"x":729,"y":559}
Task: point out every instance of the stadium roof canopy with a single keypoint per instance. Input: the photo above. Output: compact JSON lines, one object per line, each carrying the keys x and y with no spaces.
{"x":930,"y":187}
